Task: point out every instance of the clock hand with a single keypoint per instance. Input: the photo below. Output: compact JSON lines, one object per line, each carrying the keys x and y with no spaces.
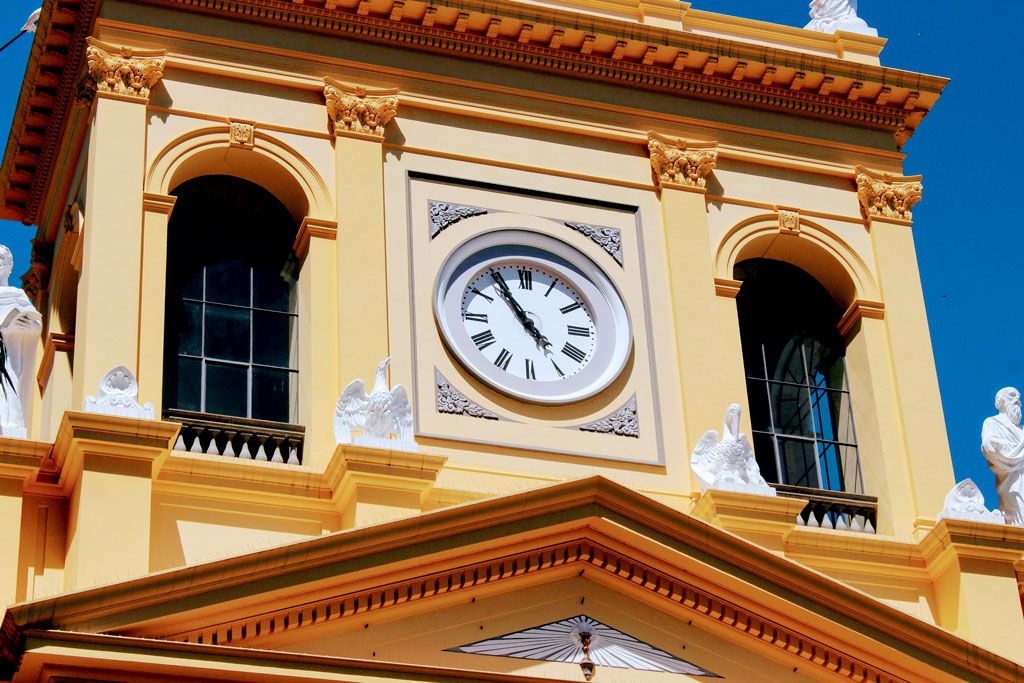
{"x":520,"y":312}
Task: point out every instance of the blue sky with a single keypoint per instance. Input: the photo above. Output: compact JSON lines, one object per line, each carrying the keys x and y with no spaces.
{"x":967,"y":149}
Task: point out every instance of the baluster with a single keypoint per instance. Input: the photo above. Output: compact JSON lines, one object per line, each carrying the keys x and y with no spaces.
{"x":293,"y":451}
{"x":196,"y":446}
{"x":211,"y":448}
{"x":244,"y":453}
{"x":261,"y":453}
{"x":229,"y":451}
{"x":277,"y":457}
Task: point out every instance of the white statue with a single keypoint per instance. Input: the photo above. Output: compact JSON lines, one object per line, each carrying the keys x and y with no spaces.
{"x":728,"y":464}
{"x":20,"y":325}
{"x":829,"y":16}
{"x":381,"y":413}
{"x":1002,"y":441}
{"x":118,"y":395}
{"x":966,"y":501}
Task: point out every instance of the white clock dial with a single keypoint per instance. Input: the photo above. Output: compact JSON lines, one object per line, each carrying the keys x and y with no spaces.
{"x":528,"y":322}
{"x":532,"y":316}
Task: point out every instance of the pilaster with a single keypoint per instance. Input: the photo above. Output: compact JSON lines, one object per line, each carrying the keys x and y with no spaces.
{"x":377,"y":485}
{"x":107,"y":464}
{"x":19,"y":461}
{"x":887,"y":201}
{"x":358,"y":117}
{"x":973,"y":566}
{"x":157,"y":212}
{"x":707,"y":332}
{"x":316,"y":247}
{"x":109,"y":295}
{"x":765,"y":520}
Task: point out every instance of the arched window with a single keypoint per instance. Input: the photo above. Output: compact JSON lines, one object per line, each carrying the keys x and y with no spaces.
{"x":229,"y":343}
{"x":797,"y":385}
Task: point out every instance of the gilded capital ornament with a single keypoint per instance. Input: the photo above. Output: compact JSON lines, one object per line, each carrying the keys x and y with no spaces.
{"x":678,"y":162}
{"x":358,"y":111}
{"x":119,"y":70}
{"x":884,"y":195}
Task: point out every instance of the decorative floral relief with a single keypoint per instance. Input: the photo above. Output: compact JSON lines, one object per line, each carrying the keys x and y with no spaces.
{"x":882,"y":194}
{"x":451,"y":400}
{"x":609,"y":239}
{"x":122,"y":70}
{"x":444,"y":215}
{"x":623,"y":422}
{"x":359,"y":110}
{"x":680,"y":162}
{"x":561,"y":642}
{"x":118,"y":395}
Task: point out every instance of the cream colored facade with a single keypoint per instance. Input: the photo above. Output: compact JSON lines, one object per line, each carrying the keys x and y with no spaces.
{"x":356,"y":116}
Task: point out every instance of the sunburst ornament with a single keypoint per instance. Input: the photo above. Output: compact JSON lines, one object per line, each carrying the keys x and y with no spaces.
{"x":560,"y":641}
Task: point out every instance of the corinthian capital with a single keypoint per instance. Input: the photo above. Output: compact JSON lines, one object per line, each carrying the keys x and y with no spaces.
{"x":887,"y":196}
{"x":358,"y":111}
{"x":122,"y":70}
{"x":681,"y":163}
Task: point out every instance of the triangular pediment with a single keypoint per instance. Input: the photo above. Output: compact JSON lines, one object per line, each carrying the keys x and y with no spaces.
{"x":412,"y":591}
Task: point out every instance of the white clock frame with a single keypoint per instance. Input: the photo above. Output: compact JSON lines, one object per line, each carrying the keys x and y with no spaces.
{"x":613,"y":330}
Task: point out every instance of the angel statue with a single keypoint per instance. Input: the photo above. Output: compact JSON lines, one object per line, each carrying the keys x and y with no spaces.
{"x":383,"y":412}
{"x":728,"y":464}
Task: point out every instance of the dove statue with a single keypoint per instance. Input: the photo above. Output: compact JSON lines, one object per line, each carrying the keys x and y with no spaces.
{"x":728,"y":464}
{"x":385,"y":411}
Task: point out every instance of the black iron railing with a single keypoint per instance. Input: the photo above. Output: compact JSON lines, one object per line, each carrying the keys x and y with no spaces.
{"x":834,"y":509}
{"x":237,"y":437}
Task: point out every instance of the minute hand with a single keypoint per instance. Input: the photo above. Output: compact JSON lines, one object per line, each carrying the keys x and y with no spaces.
{"x":520,"y":312}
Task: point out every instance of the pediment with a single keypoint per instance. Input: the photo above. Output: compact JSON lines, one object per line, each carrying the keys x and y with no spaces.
{"x":414,"y":591}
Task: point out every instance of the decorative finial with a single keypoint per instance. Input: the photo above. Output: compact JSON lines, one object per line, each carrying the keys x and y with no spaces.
{"x":118,"y":395}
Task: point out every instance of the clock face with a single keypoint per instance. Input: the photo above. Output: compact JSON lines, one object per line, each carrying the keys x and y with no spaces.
{"x":532,"y":317}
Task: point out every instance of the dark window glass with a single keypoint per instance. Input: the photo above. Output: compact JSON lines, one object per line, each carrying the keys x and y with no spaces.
{"x":227,"y":333}
{"x":222,"y":388}
{"x":231,"y":309}
{"x":797,"y":388}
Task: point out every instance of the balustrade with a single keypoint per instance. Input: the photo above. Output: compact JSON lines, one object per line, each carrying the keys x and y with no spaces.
{"x":236,"y":437}
{"x":833,"y":509}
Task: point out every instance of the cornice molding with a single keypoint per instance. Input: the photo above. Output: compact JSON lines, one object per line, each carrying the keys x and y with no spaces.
{"x":887,"y":196}
{"x":681,"y":163}
{"x":861,"y":308}
{"x":728,"y":289}
{"x":359,"y":111}
{"x":54,"y":342}
{"x":123,"y":72}
{"x":310,"y":228}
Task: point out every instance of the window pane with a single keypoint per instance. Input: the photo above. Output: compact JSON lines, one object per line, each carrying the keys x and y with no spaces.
{"x":271,"y":394}
{"x":193,"y":287}
{"x":184,"y":385}
{"x":228,"y":283}
{"x":764,"y":452}
{"x":757,"y":399}
{"x":791,"y":409}
{"x":190,"y":329}
{"x":226,"y":389}
{"x":830,"y":466}
{"x":799,"y":462}
{"x":227,"y":333}
{"x":271,"y":340}
{"x":271,"y":289}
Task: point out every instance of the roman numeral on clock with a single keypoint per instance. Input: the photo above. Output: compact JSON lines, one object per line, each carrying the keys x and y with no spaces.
{"x":503,"y":359}
{"x":477,"y":291}
{"x":570,"y":308}
{"x":479,"y":317}
{"x":573,"y":352}
{"x":530,"y":374}
{"x":483,"y":339}
{"x":575,"y":330}
{"x":525,"y":279}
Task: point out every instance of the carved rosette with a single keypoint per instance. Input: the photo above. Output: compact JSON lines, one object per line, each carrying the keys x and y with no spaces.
{"x":123,"y":70}
{"x":887,"y":196}
{"x":358,"y":111}
{"x":681,"y":163}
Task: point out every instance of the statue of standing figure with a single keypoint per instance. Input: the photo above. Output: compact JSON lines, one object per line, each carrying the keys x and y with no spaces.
{"x":1002,"y":442}
{"x":20,"y":325}
{"x":829,"y":16}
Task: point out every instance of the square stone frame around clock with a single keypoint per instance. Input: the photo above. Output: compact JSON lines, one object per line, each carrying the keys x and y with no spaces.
{"x":598,"y":427}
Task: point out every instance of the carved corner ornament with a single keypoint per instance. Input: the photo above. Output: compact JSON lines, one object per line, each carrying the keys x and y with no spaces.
{"x":884,"y":195}
{"x":118,"y":395}
{"x":123,"y":71}
{"x":679,"y":163}
{"x":357,"y":111}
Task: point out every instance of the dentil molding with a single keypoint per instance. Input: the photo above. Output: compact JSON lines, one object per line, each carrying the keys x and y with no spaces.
{"x":681,"y":163}
{"x":124,"y":71}
{"x":357,"y":111}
